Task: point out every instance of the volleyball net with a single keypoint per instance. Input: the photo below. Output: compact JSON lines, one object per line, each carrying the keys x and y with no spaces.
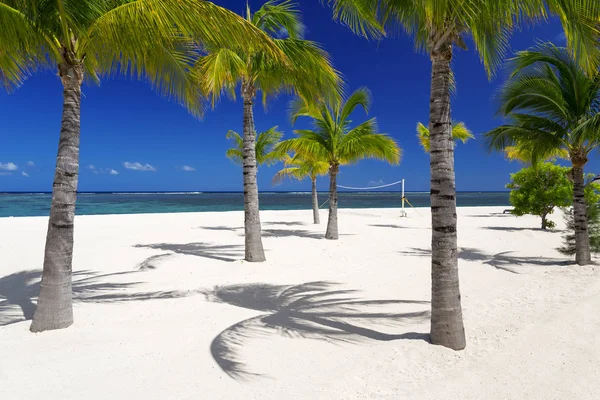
{"x":400,"y":182}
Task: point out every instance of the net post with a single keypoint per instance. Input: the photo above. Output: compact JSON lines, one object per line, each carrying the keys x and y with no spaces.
{"x":403,"y":212}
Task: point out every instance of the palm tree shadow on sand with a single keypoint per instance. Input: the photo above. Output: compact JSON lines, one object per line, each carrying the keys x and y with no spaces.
{"x":313,"y":310}
{"x":18,"y":290}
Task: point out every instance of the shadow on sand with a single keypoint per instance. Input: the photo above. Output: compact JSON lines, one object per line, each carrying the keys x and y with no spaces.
{"x":286,"y":223}
{"x":492,"y":215}
{"x":228,"y":252}
{"x":221,"y":228}
{"x":277,"y":233}
{"x":18,"y":290}
{"x":502,"y":261}
{"x":313,"y":310}
{"x":514,"y":229}
{"x":388,"y":226}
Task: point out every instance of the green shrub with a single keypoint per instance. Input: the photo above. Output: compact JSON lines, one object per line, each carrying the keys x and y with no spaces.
{"x":538,"y":190}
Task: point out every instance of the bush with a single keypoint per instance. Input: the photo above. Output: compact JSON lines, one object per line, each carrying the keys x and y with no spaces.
{"x":537,"y":190}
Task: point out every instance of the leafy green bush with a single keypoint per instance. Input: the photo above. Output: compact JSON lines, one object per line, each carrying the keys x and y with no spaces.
{"x":537,"y":190}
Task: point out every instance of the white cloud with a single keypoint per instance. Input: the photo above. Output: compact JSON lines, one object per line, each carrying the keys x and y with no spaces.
{"x":25,"y":174}
{"x":136,"y":166}
{"x":30,"y":164}
{"x":187,"y":168}
{"x":8,"y":166}
{"x":376,"y":183}
{"x":113,"y":172}
{"x":93,"y":168}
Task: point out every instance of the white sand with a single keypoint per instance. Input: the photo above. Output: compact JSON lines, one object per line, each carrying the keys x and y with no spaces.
{"x":160,"y":333}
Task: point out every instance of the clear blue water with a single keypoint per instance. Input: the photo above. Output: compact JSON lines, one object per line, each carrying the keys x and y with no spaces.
{"x":38,"y":204}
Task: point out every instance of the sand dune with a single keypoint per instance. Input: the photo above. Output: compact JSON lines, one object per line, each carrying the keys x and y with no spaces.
{"x":165,"y":308}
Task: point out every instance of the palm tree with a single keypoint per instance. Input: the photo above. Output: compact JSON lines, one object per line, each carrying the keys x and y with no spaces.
{"x":460,"y":132}
{"x":265,"y":142}
{"x":335,"y":141}
{"x":437,"y":27}
{"x":553,"y":106}
{"x":305,"y":70}
{"x":150,"y":39}
{"x":300,"y":167}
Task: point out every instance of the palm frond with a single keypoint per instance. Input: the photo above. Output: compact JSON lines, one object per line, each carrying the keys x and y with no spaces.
{"x":23,"y":47}
{"x":364,"y":141}
{"x":265,"y":144}
{"x":219,"y":72}
{"x":360,"y":97}
{"x":280,"y":18}
{"x":515,"y":153}
{"x":423,"y":136}
{"x":460,"y":132}
{"x":579,"y":19}
{"x":359,"y":15}
{"x":552,"y":106}
{"x":307,"y":72}
{"x":308,"y":142}
{"x":235,"y":153}
{"x":297,"y":173}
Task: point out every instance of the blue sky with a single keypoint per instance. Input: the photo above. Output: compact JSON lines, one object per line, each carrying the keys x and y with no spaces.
{"x":134,"y":140}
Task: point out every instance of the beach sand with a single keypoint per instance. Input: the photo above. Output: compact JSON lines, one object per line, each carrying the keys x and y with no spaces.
{"x":166,"y":309}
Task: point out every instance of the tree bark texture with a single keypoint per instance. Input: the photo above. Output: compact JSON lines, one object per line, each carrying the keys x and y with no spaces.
{"x":446,"y":313}
{"x":544,"y":221}
{"x":332,"y":222}
{"x":582,"y":238}
{"x":55,"y":302}
{"x":254,"y":251}
{"x":315,"y":202}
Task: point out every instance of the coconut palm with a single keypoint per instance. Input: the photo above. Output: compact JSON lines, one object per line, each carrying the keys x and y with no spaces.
{"x":306,"y":71}
{"x":265,"y":143}
{"x":150,"y":39}
{"x":553,"y":106}
{"x":301,"y":167}
{"x":437,"y":26}
{"x":337,"y":142}
{"x":460,"y":132}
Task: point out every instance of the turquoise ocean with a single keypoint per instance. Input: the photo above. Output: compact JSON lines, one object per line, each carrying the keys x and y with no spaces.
{"x":38,"y":204}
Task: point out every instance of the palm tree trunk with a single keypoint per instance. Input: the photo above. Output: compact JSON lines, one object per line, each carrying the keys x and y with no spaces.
{"x":582,"y":239}
{"x":315,"y":202}
{"x":253,"y":241}
{"x":332,"y":223}
{"x":446,"y":313}
{"x":55,"y":304}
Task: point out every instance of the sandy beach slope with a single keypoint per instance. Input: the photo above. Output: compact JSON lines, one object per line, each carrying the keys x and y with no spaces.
{"x":166,"y":309}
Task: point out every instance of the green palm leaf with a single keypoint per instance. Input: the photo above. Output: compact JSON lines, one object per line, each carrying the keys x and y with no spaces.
{"x":333,"y":140}
{"x":460,"y":132}
{"x":552,"y":106}
{"x":265,"y":144}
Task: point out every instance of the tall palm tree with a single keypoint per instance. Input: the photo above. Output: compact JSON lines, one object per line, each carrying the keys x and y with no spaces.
{"x":305,"y":70}
{"x":437,"y":26}
{"x":460,"y":132}
{"x":553,"y":105}
{"x":265,"y":143}
{"x":335,"y":141}
{"x":90,"y":38}
{"x":300,"y":167}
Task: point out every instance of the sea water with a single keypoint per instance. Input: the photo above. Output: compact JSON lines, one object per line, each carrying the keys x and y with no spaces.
{"x":38,"y":204}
